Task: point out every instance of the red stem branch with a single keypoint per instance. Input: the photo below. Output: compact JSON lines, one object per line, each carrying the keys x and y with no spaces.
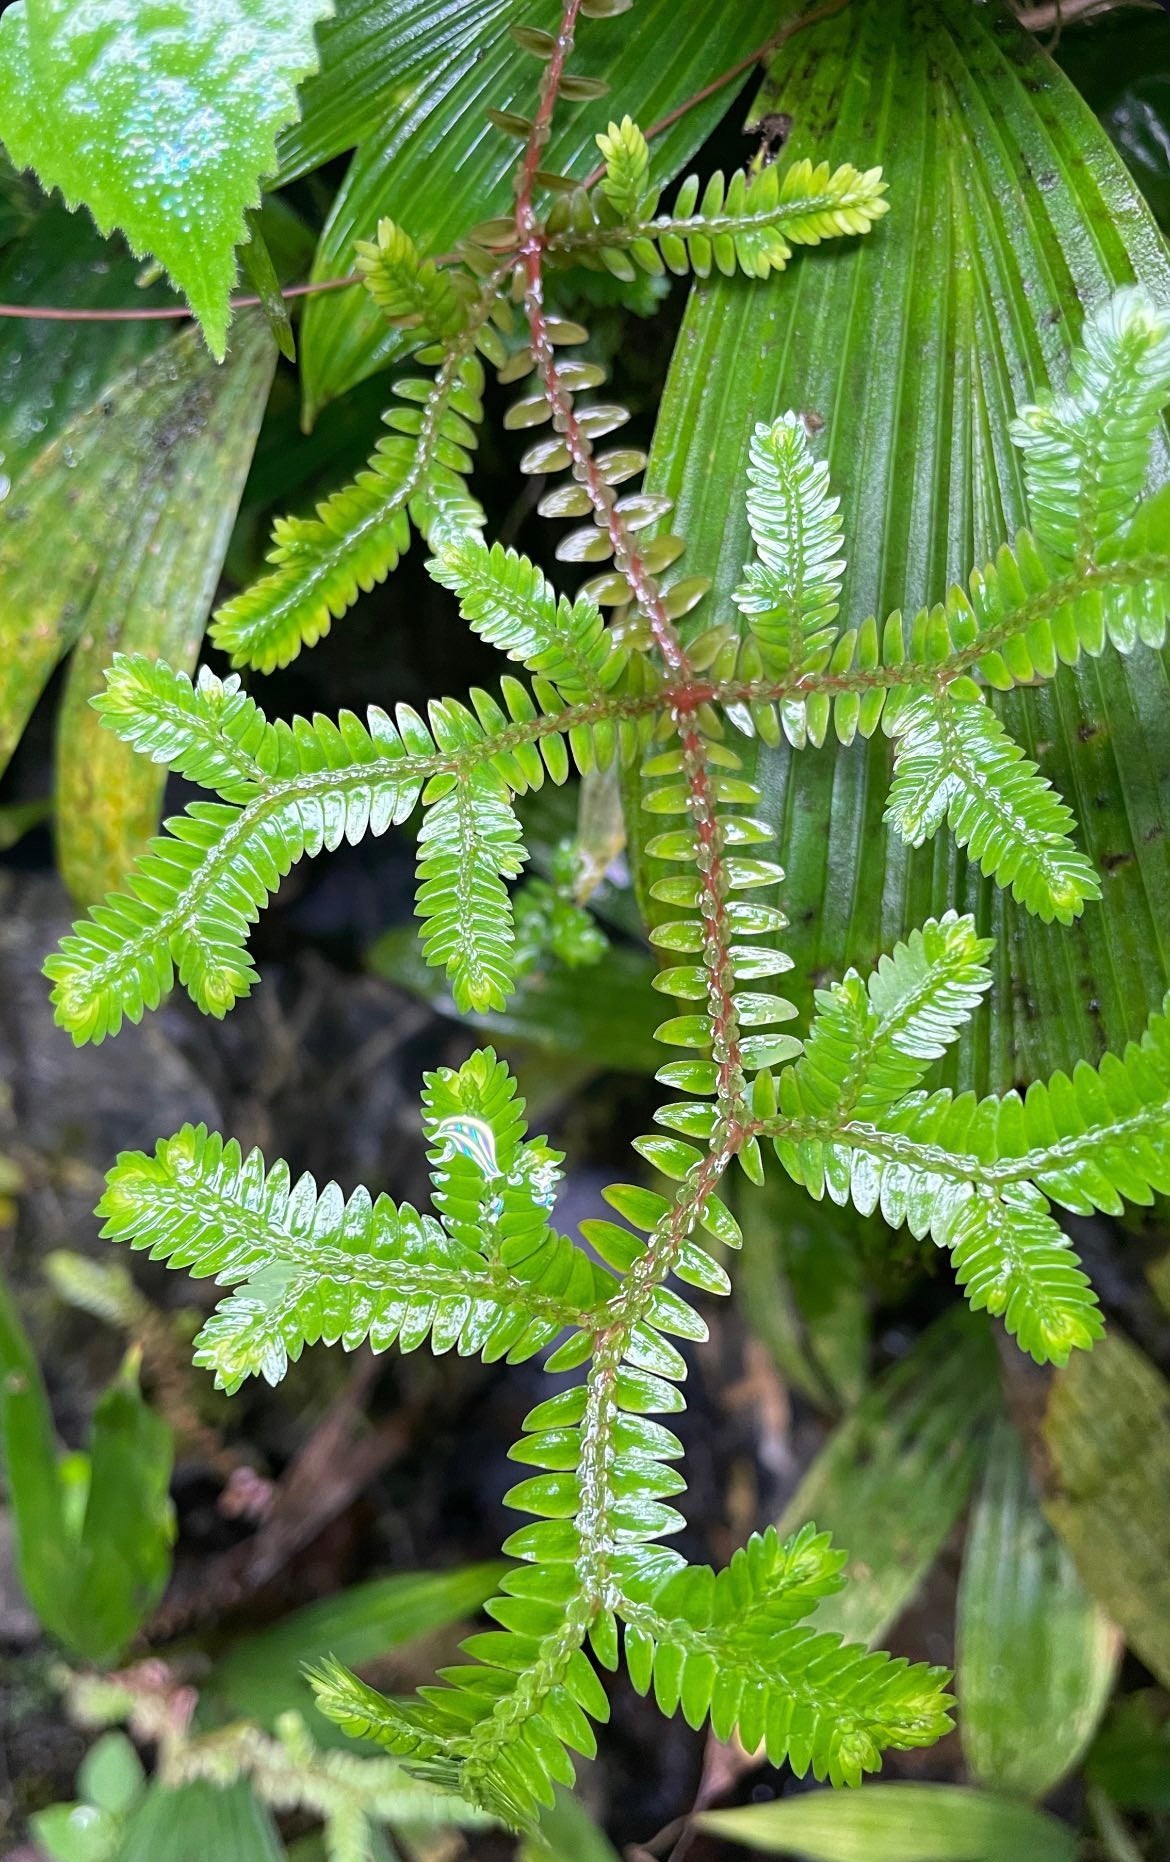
{"x":645,"y":592}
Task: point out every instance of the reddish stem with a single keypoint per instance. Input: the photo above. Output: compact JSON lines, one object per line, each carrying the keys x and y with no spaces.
{"x":644,"y":589}
{"x":162,"y":313}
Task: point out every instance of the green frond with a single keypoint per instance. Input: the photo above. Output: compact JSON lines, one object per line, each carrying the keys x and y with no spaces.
{"x":322,"y":563}
{"x":494,"y":1190}
{"x":1087,"y":451}
{"x":872,"y":1039}
{"x":955,"y":762}
{"x":469,"y":843}
{"x":409,"y":290}
{"x":294,"y":791}
{"x":509,"y":603}
{"x":1017,"y":620}
{"x":1010,"y":1258}
{"x":192,"y":897}
{"x":749,"y":223}
{"x":1095,"y":1140}
{"x":626,"y":181}
{"x":208,"y":730}
{"x":790,"y":596}
{"x":310,"y":1265}
{"x":726,"y":1646}
{"x":976,"y":1175}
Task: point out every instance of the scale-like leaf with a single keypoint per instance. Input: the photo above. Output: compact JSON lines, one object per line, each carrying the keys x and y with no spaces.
{"x":790,"y":595}
{"x":162,"y":121}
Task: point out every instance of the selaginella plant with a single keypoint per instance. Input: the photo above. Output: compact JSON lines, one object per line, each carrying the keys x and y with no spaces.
{"x":662,"y":691}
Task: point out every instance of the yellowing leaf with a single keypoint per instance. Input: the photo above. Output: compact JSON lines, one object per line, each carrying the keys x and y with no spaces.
{"x":161,"y":119}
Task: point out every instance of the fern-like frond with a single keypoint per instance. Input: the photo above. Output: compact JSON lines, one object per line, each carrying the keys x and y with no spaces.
{"x":1017,"y":620}
{"x":322,"y":563}
{"x":493,"y":1188}
{"x":509,"y":603}
{"x":1093,"y":1140}
{"x":626,"y":181}
{"x":872,"y":1040}
{"x":1087,"y":450}
{"x":469,"y":843}
{"x":192,"y":897}
{"x":956,"y":762}
{"x":208,"y":730}
{"x":409,"y":290}
{"x":1010,"y":1258}
{"x":975,"y":1175}
{"x":727,"y":1646}
{"x":309,"y":1265}
{"x":749,"y":223}
{"x":790,"y":596}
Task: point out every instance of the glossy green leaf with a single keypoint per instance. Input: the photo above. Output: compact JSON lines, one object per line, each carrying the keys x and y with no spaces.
{"x":152,"y":526}
{"x":197,"y":1822}
{"x":161,"y":120}
{"x":378,"y":58}
{"x":891,"y":1480}
{"x":895,"y":1823}
{"x":1036,"y":1655}
{"x":1009,"y":211}
{"x":1106,"y":1435}
{"x":434,"y":163}
{"x":76,"y":1833}
{"x":605,"y":1014}
{"x":261,"y":1677}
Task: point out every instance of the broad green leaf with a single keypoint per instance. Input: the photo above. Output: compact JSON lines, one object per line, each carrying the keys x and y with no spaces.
{"x":895,"y":1823}
{"x":162,"y":120}
{"x":164,"y":521}
{"x":123,"y":1556}
{"x":1106,"y":1435}
{"x":377,"y":59}
{"x":201,"y":1823}
{"x":261,"y":1677}
{"x":29,"y":1450}
{"x":605,"y":1014}
{"x":93,"y":1532}
{"x":1036,"y":1655}
{"x":891,"y":1480}
{"x":435,"y":164}
{"x":1009,"y":211}
{"x":76,"y":1833}
{"x":801,"y":1286}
